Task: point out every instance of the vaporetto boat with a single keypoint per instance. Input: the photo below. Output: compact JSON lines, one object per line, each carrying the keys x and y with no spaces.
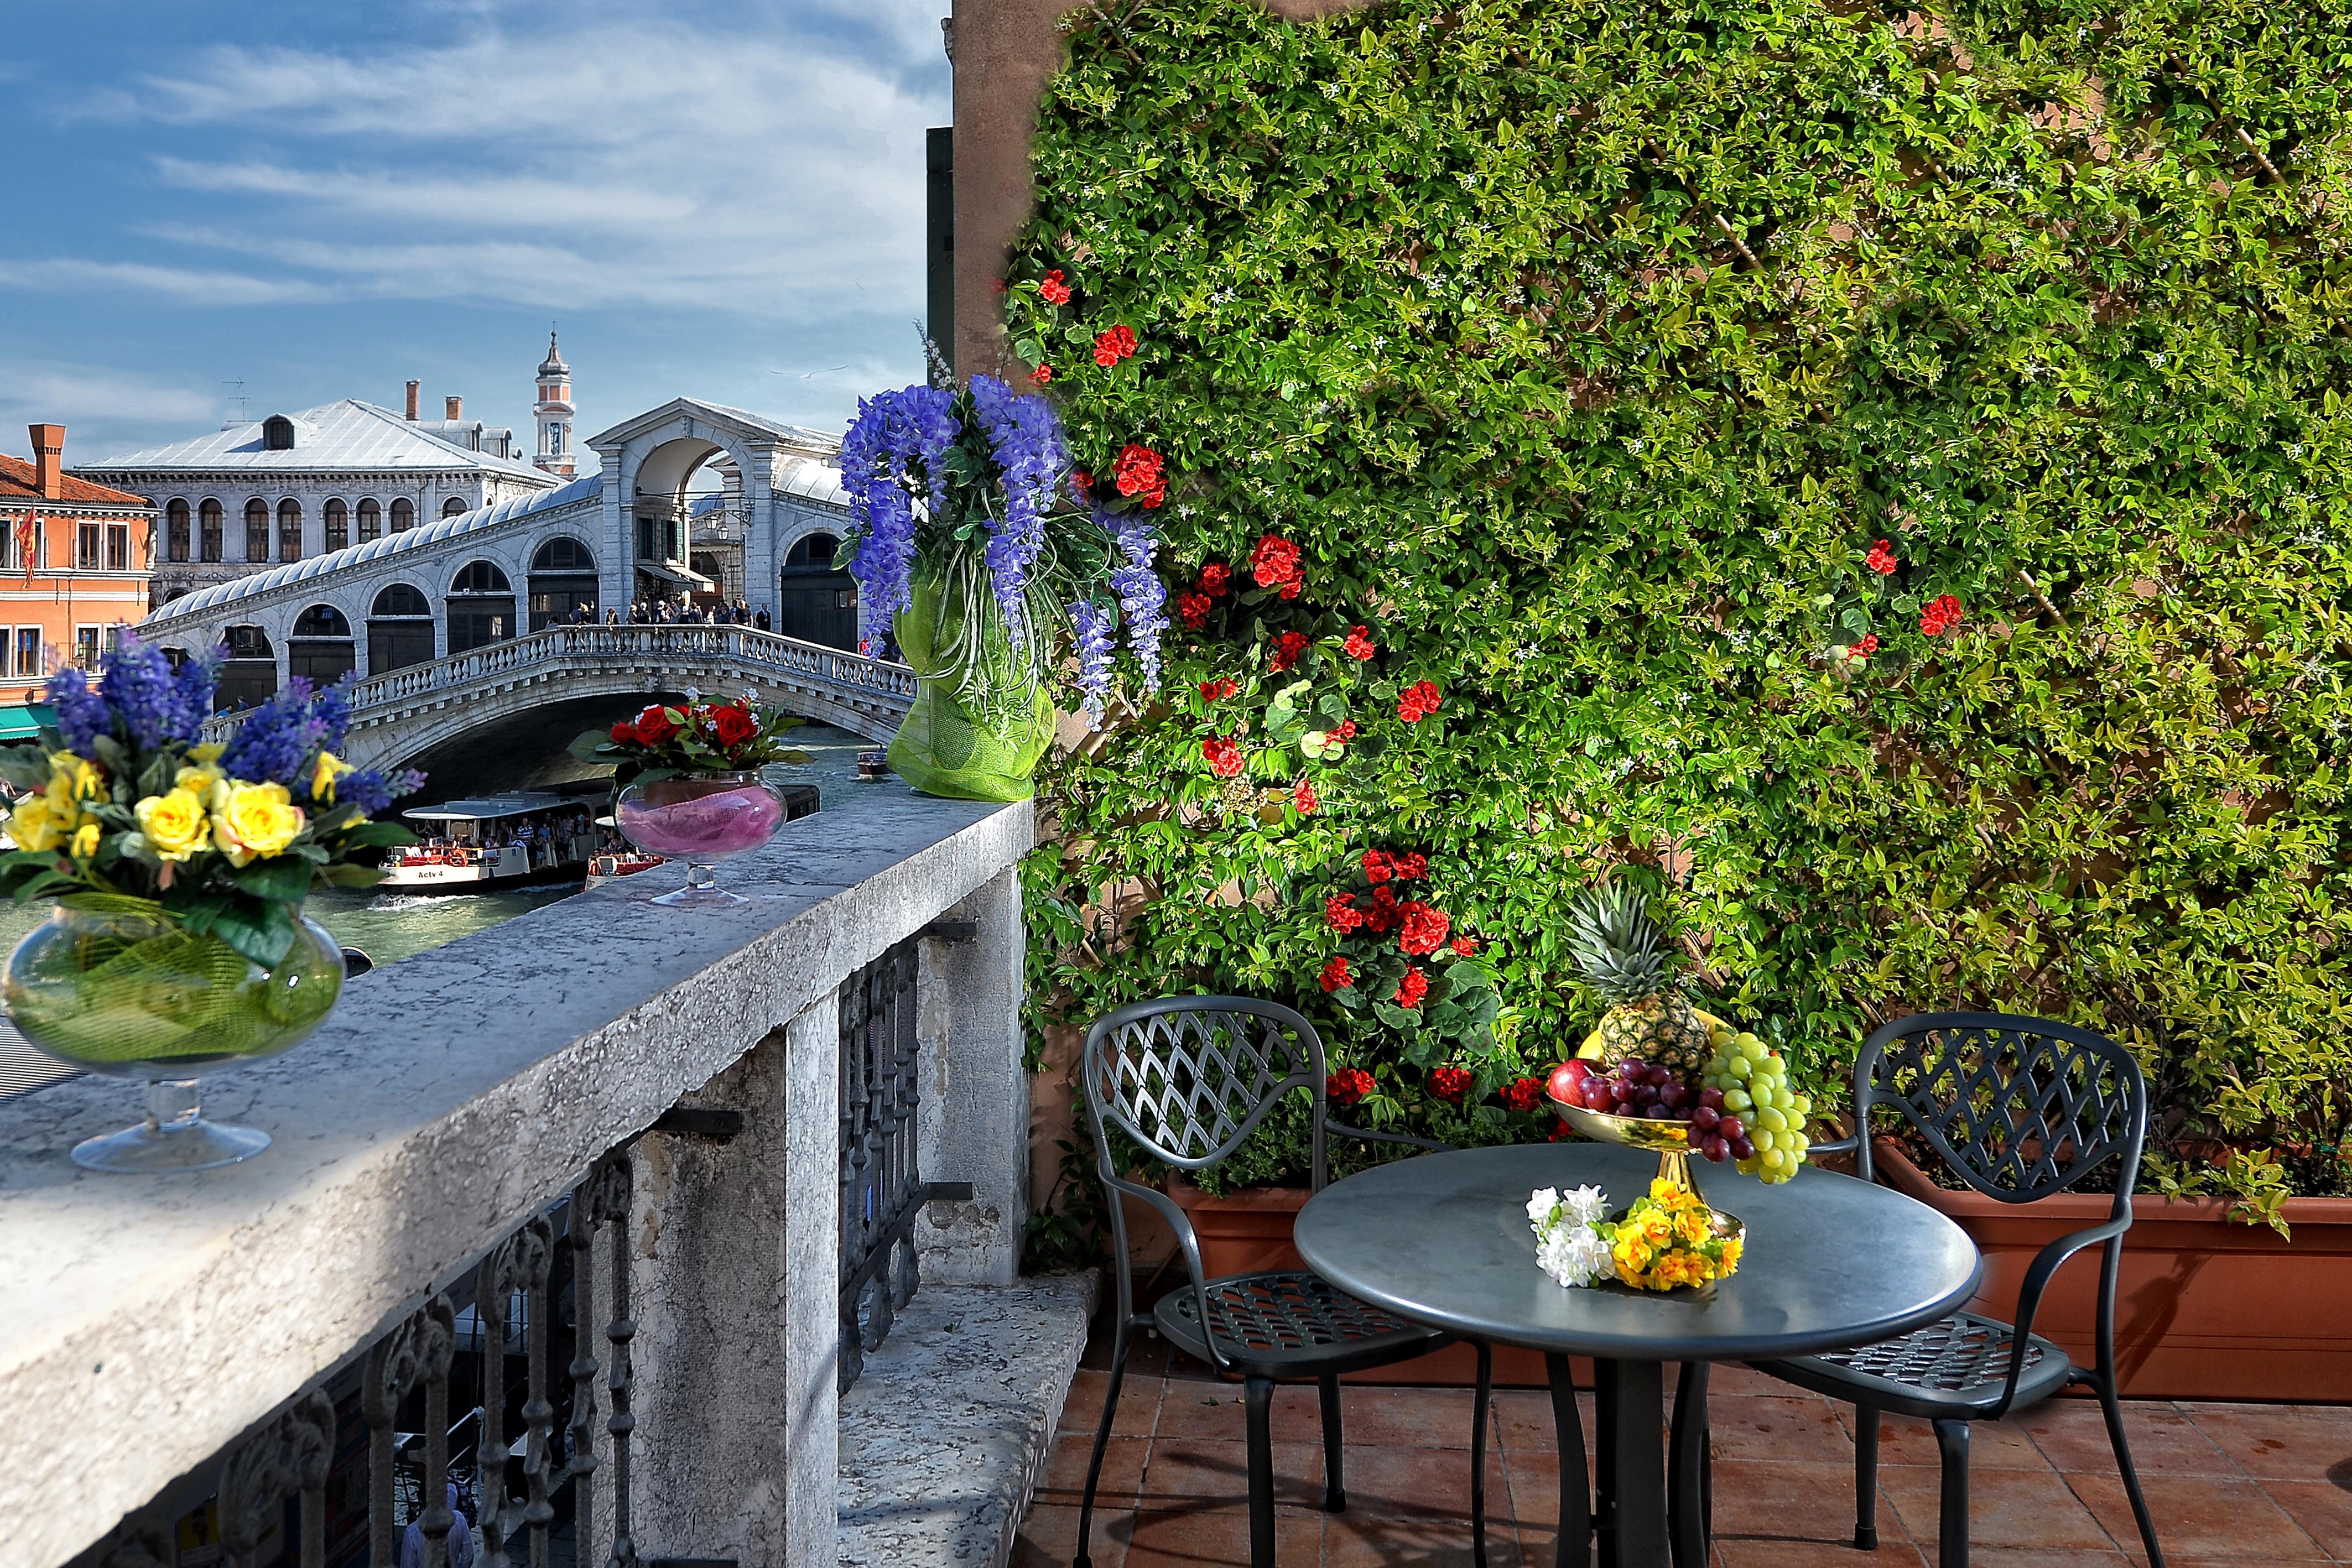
{"x":519,"y":837}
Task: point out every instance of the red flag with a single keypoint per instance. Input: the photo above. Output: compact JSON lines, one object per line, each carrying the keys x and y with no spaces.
{"x":28,"y":534}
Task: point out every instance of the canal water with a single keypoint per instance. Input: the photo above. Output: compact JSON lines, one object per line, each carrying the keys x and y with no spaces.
{"x":389,"y":926}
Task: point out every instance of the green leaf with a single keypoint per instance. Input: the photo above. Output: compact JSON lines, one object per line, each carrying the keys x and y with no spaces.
{"x":283,"y":878}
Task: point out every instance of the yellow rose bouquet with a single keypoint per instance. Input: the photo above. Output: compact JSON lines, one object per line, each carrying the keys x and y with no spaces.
{"x":1669,"y":1238}
{"x":180,"y":868}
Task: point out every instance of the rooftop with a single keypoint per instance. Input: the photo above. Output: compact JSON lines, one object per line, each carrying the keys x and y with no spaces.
{"x":335,"y":437}
{"x":16,"y":483}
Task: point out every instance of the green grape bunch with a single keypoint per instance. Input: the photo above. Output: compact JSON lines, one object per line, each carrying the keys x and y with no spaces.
{"x":1760,"y":1121}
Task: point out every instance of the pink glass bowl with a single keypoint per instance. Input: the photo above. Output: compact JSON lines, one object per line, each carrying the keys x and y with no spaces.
{"x":700,"y":819}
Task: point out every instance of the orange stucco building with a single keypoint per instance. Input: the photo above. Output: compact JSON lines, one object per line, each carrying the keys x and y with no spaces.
{"x":74,"y":562}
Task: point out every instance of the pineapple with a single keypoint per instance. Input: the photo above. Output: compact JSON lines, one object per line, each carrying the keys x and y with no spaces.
{"x":1620,"y":949}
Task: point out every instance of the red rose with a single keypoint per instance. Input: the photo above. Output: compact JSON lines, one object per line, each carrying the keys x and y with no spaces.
{"x":1219,"y":689}
{"x":1140,"y":472}
{"x":1377,"y":865}
{"x":1215,"y":577}
{"x":1340,"y":911}
{"x":1336,"y":976}
{"x":1523,"y":1095}
{"x":1274,"y":561}
{"x":1424,"y":929}
{"x":1224,"y":756}
{"x":1450,"y":1082}
{"x":1286,"y":651}
{"x":654,"y":725}
{"x":1349,"y":1085}
{"x":1192,"y":610}
{"x":1939,"y":615}
{"x":1042,"y":374}
{"x":1304,"y":799}
{"x":1464,"y":947}
{"x":1418,"y":701}
{"x":1359,"y":646}
{"x":1411,"y":988}
{"x":1113,"y":345}
{"x":625,"y":732}
{"x":733,"y":725}
{"x":1882,"y":559}
{"x":1410,"y":868}
{"x":1054,"y":291}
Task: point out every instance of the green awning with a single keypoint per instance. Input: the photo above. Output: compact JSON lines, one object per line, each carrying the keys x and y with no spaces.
{"x":23,"y":720}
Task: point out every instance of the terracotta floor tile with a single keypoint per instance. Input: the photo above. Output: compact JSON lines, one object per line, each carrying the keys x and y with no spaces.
{"x":1797,"y":1499}
{"x":2006,"y":1509}
{"x":1200,"y":1407}
{"x":1049,"y":1537}
{"x":1408,"y":1417}
{"x":1139,"y":1403}
{"x":2324,"y":1509}
{"x":1351,"y":1541}
{"x":1188,"y":1540}
{"x":2286,"y":1442}
{"x":2203,"y":1516}
{"x":2072,"y":1435}
{"x":1065,"y":1481}
{"x":1198,"y":1475}
{"x":1734,"y":1379}
{"x":1761,"y":1427}
{"x":1745,"y":1552}
{"x":1407,"y":1483}
{"x":1523,"y":1421}
{"x":2033,"y":1557}
{"x":1992,"y":1445}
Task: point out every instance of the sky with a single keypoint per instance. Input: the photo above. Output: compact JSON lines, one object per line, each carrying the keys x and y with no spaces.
{"x":320,"y":199}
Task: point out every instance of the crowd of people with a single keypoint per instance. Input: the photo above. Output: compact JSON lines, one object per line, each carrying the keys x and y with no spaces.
{"x":681,"y":611}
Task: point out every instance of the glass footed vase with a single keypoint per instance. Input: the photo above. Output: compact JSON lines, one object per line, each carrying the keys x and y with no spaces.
{"x":130,"y":993}
{"x":701,"y":819}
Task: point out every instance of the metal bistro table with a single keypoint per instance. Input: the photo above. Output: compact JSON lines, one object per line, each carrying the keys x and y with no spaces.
{"x":1830,"y":1262}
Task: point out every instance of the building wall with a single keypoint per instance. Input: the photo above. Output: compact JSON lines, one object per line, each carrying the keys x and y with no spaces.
{"x":61,"y":612}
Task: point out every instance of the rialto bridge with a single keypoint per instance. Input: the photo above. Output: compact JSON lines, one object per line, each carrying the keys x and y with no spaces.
{"x":464,"y":622}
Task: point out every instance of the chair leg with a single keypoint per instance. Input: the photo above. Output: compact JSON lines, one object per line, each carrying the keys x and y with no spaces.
{"x":2115,"y":1415}
{"x":1952,"y":1524}
{"x":1335,"y":1491}
{"x":1102,"y":1441}
{"x":1478,"y":1437}
{"x":1865,"y":1478}
{"x":1257,"y":1393}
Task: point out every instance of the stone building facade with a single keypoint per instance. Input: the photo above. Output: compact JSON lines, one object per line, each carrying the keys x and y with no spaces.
{"x":73,"y":567}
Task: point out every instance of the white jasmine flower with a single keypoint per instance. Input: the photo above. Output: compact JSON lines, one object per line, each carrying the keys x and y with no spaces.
{"x":1539,"y":1207}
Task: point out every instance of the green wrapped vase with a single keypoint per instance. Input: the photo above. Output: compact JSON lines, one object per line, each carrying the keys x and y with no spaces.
{"x":947,"y":748}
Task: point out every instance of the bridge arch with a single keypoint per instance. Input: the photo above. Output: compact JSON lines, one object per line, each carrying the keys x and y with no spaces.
{"x":399,"y":629}
{"x":480,"y":606}
{"x":319,"y":645}
{"x":561,"y":582}
{"x":655,"y":470}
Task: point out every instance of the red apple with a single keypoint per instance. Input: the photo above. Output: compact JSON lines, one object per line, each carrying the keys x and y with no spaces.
{"x":1567,"y":1082}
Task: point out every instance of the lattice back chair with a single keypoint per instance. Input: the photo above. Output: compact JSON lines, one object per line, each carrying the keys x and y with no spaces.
{"x":1188,"y":1079}
{"x":2020,"y":1108}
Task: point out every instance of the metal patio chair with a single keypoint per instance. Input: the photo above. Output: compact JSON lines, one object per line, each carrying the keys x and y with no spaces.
{"x":2018,"y":1108}
{"x":1189,"y":1078}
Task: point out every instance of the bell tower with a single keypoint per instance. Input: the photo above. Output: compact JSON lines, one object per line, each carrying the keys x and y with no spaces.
{"x":555,"y":454}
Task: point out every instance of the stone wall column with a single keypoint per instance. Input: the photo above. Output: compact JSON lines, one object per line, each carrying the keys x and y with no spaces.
{"x":736,"y":1250}
{"x":973,"y":1118}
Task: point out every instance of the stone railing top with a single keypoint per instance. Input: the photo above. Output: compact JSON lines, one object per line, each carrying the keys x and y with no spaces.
{"x":146,"y":1321}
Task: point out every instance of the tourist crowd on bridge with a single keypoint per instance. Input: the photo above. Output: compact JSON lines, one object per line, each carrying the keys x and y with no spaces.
{"x":684,"y":611}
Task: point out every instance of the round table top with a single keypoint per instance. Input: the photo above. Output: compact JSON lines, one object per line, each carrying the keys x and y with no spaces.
{"x":1830,"y":1262}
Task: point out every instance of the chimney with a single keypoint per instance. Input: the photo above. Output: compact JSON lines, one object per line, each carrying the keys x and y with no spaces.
{"x":48,"y":460}
{"x":412,"y":402}
{"x":456,"y":407}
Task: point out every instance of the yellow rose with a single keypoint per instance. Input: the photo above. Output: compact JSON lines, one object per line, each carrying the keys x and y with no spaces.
{"x":322,"y":779}
{"x":257,"y":822}
{"x":34,"y":824}
{"x":207,"y":754}
{"x":205,"y":784}
{"x":85,"y":841}
{"x":176,"y":824}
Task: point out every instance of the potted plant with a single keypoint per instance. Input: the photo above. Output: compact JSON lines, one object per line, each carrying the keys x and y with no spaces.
{"x":983,"y":555}
{"x":179,"y":947}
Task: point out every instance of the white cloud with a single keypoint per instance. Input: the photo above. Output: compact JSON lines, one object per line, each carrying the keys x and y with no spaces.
{"x":99,"y":407}
{"x":564,"y":157}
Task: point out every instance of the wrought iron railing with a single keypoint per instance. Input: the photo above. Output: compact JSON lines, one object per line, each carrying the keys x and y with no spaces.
{"x":881,"y":1183}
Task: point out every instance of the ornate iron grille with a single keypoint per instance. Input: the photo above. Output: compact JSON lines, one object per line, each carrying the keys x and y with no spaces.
{"x":881,"y":1188}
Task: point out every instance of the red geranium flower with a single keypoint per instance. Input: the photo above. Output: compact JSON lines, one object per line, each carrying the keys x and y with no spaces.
{"x":1349,"y":1085}
{"x":1083,"y":478}
{"x":1424,"y":927}
{"x":1359,"y":646}
{"x":733,"y":725}
{"x":1523,"y":1095}
{"x":1464,"y":947}
{"x":1224,"y":756}
{"x":1336,"y":976}
{"x":1346,"y":732}
{"x":1939,"y":615}
{"x":1450,"y":1082}
{"x":1274,"y":562}
{"x":1216,"y":579}
{"x":1340,"y":911}
{"x":1863,"y":649}
{"x":1042,"y":374}
{"x":1377,"y":865}
{"x":1418,"y":701}
{"x":1289,"y":590}
{"x":1304,"y":799}
{"x":1882,"y":559}
{"x":1385,"y":915}
{"x":1139,"y":472}
{"x":1192,"y":610}
{"x":1411,"y":988}
{"x":1054,"y":291}
{"x":1411,"y":867}
{"x":1286,"y":650}
{"x":1219,"y":689}
{"x":654,"y":725}
{"x":1113,"y":345}
{"x":1562,"y":1132}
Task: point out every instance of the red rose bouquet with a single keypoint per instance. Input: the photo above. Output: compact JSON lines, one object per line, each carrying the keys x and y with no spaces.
{"x":700,"y":737}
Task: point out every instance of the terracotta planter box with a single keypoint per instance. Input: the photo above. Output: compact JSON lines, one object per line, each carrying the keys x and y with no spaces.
{"x":2206,"y":1308}
{"x":1248,"y":1231}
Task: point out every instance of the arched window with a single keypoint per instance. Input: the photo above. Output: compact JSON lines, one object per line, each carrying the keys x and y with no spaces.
{"x":563,"y":553}
{"x":480,"y":576}
{"x":455,"y":507}
{"x":371,"y":521}
{"x":404,"y":515}
{"x":399,"y":599}
{"x":277,"y":433}
{"x":321,"y":646}
{"x":812,"y":552}
{"x":208,"y":530}
{"x":400,"y":630}
{"x":256,"y":530}
{"x":322,"y":621}
{"x":481,"y":607}
{"x":250,"y":676}
{"x":338,"y":524}
{"x":289,"y":530}
{"x":562,"y":583}
{"x":813,"y":602}
{"x":175,"y":530}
